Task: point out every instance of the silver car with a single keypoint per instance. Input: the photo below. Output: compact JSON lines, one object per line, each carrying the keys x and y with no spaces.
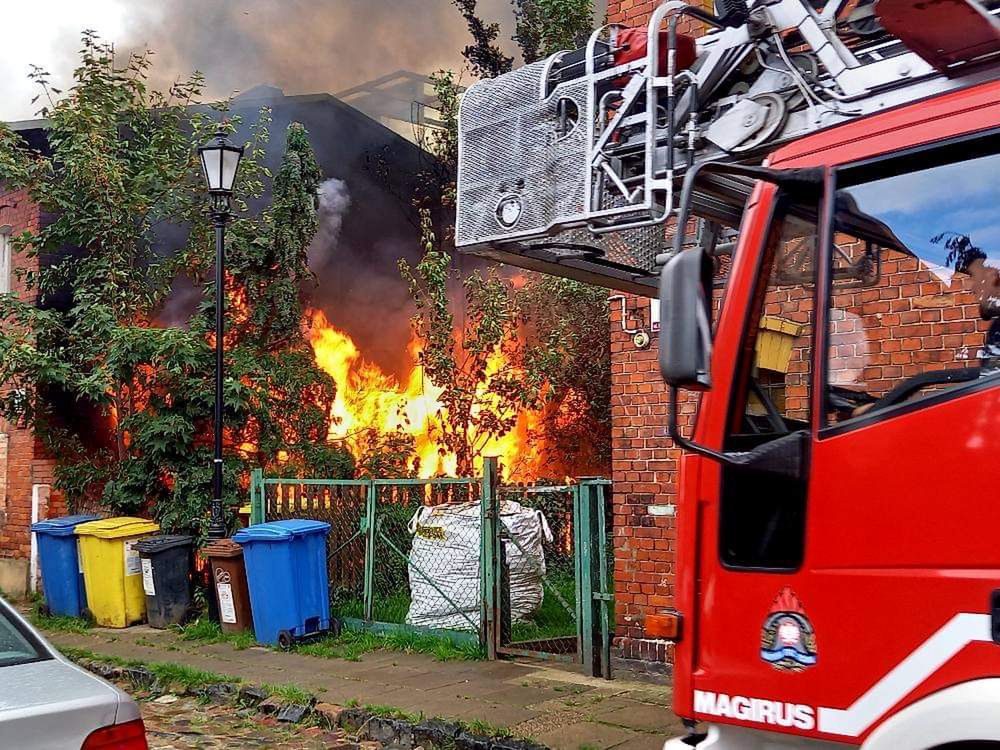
{"x":49,"y":703}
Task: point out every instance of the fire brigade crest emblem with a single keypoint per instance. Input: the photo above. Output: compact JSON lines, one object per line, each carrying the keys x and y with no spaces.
{"x":787,"y":640}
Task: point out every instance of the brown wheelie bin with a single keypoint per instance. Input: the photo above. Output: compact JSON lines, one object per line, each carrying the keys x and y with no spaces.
{"x":229,"y":581}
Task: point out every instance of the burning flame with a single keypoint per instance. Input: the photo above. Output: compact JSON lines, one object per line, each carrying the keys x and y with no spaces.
{"x":370,"y":401}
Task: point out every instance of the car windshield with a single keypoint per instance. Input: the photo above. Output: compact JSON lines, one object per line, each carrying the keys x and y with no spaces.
{"x":16,"y":647}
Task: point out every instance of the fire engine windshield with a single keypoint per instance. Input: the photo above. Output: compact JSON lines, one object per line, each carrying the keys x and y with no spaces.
{"x":915,"y":307}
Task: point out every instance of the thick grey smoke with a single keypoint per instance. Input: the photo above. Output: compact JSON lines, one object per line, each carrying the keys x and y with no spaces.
{"x":334,"y":200}
{"x":302,"y":46}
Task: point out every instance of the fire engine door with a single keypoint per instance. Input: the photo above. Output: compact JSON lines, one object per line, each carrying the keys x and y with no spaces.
{"x":885,"y":346}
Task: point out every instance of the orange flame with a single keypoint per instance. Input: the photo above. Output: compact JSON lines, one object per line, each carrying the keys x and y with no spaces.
{"x":369,"y":400}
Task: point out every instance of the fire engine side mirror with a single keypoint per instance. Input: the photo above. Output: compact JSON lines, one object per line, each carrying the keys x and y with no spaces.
{"x":686,"y":320}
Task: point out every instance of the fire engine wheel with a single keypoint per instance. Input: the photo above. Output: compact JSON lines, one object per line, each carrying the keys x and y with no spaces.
{"x":774,"y":119}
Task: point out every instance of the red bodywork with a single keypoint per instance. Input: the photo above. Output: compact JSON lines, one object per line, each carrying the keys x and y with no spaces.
{"x":902,"y":520}
{"x":632,"y":45}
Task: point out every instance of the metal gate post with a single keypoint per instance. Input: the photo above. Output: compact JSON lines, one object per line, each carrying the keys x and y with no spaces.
{"x":592,"y":577}
{"x":257,"y":496}
{"x":585,"y":536}
{"x":603,"y":596}
{"x":489,"y":505}
{"x":371,"y":499}
{"x":575,"y":492}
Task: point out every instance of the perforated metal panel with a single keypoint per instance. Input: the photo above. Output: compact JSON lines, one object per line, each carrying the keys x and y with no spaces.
{"x":511,"y":148}
{"x":515,"y":147}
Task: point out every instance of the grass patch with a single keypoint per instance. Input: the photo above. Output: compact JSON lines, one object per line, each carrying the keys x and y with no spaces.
{"x":80,"y":654}
{"x":386,"y":607}
{"x":552,"y":620}
{"x":57,"y":623}
{"x":389,"y":712}
{"x":182,"y":678}
{"x":486,"y":729}
{"x":352,"y":644}
{"x":204,"y":630}
{"x":174,"y":677}
{"x":289,"y":693}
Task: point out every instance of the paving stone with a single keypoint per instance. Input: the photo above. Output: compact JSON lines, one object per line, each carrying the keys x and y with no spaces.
{"x":293,"y":713}
{"x":643,"y":742}
{"x":270,"y":706}
{"x":584,"y":733}
{"x":648,"y":721}
{"x":468,"y":741}
{"x":329,"y":712}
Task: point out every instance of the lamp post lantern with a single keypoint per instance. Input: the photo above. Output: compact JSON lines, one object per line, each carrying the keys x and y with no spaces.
{"x":220,"y":161}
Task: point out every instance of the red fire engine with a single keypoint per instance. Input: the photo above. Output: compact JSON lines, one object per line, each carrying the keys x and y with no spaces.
{"x":816,"y":188}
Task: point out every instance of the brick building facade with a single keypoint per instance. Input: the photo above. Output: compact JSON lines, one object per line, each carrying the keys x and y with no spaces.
{"x":644,"y":461}
{"x":25,"y":471}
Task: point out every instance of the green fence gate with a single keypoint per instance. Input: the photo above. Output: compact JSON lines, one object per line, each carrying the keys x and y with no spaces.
{"x":444,"y":557}
{"x":573,"y":576}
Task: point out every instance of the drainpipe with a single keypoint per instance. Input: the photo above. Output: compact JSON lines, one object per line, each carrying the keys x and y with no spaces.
{"x":33,"y":572}
{"x":39,"y":511}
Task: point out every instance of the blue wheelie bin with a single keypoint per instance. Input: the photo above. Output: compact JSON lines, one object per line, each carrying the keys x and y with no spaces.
{"x":286,"y":573}
{"x":62,"y":575}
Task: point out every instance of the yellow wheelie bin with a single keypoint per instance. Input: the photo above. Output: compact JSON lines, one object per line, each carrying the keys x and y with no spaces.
{"x":112,"y":569}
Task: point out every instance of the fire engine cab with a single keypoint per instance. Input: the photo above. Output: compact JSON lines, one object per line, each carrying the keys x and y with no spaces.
{"x":813,"y":191}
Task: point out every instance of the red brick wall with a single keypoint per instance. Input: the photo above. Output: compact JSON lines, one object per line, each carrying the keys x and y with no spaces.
{"x":644,"y":461}
{"x":637,"y":12}
{"x":26,"y":463}
{"x":644,"y":471}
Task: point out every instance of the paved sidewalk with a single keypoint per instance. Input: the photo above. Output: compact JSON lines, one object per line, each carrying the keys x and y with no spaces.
{"x":557,"y":708}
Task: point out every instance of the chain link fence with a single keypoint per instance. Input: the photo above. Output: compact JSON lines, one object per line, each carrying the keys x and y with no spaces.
{"x":540,"y":570}
{"x":517,"y":569}
{"x":340,"y":503}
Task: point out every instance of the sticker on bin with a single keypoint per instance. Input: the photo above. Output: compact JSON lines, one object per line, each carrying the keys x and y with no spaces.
{"x":227,"y":608}
{"x":147,"y":577}
{"x":133,"y":564}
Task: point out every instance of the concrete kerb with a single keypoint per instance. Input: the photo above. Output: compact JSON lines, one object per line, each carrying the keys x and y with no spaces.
{"x":527,"y":699}
{"x":365,"y":724}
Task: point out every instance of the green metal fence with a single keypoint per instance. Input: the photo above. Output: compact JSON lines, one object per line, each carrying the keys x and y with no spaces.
{"x":520,"y":570}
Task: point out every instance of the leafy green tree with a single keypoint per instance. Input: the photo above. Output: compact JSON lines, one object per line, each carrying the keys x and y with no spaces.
{"x":552,"y":333}
{"x":544,"y":27}
{"x":484,"y":55}
{"x":567,"y":351}
{"x":481,"y":392}
{"x":121,"y":163}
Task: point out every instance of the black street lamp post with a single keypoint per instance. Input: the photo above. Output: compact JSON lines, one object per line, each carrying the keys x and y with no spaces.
{"x":220,"y":161}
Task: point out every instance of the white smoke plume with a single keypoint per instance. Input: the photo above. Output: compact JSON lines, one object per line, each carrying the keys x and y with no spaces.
{"x":334,"y":201}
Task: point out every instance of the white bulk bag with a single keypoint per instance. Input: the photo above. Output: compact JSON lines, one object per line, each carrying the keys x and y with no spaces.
{"x":445,"y":560}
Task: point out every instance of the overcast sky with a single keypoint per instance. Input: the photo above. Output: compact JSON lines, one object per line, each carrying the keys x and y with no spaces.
{"x":46,"y":33}
{"x":302,"y":46}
